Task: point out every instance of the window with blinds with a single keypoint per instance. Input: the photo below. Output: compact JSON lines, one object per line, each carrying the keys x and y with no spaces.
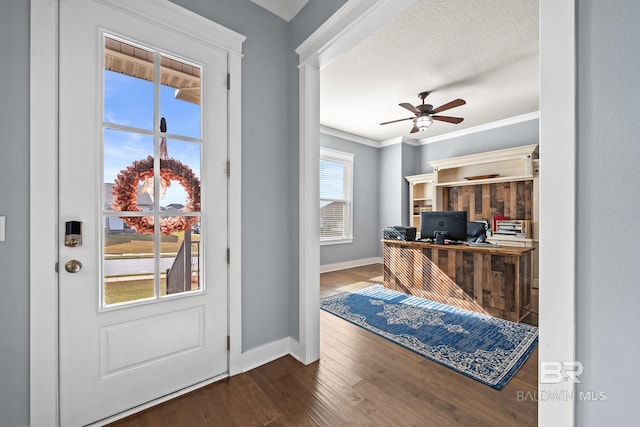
{"x":336,"y":206}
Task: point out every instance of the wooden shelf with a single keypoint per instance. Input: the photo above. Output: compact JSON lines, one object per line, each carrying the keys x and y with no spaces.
{"x":484,"y":181}
{"x":511,"y":164}
{"x":421,"y":196}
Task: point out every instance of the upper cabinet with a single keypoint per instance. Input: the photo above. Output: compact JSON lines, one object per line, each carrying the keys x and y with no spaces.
{"x":511,"y":164}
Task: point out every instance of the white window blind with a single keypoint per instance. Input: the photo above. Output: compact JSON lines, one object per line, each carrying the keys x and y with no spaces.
{"x":336,"y":204}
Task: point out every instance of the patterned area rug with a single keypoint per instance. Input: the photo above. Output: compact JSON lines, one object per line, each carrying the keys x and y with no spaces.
{"x":485,"y":348}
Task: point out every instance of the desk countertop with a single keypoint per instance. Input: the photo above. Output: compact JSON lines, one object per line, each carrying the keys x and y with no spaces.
{"x":501,"y":250}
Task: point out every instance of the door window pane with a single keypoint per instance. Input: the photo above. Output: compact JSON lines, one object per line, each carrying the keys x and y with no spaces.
{"x":157,"y":253}
{"x":182,"y":177}
{"x":182,"y":251}
{"x":128,"y":84}
{"x":180,"y":94}
{"x":128,"y":262}
{"x":128,"y":160}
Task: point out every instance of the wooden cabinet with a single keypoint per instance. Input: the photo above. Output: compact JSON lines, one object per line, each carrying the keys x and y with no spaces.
{"x":421,"y":197}
{"x":502,"y":182}
{"x":494,"y":281}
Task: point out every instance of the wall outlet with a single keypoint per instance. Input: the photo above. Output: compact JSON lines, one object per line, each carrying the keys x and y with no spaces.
{"x":3,"y":221}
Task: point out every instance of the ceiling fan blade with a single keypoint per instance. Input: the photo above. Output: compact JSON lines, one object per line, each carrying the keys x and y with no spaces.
{"x":399,"y":120}
{"x":415,"y":129}
{"x":455,"y":103}
{"x":454,"y":120}
{"x":410,"y":107}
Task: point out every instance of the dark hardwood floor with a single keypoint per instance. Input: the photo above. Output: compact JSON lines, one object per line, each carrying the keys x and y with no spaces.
{"x":360,"y":379}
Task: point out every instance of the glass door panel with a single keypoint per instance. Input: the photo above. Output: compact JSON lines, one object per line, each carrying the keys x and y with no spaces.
{"x":128,"y":84}
{"x":152,"y":210}
{"x":127,"y":157}
{"x":180,"y":93}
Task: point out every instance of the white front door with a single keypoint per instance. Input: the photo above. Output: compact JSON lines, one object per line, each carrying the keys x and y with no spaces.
{"x":143,"y":293}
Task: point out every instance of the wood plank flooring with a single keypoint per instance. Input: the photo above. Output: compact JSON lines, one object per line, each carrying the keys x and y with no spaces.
{"x":360,"y":379}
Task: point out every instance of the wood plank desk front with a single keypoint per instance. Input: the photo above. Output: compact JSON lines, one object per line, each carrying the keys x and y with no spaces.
{"x":493,"y":281}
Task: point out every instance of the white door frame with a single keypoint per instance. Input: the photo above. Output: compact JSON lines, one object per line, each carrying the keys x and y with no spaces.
{"x":44,"y":180}
{"x":355,"y":21}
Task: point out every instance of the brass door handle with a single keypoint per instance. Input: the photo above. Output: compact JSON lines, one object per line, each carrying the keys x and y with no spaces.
{"x":73,"y":266}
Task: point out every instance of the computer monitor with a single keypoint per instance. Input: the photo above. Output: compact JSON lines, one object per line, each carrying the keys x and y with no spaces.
{"x":439,"y":225}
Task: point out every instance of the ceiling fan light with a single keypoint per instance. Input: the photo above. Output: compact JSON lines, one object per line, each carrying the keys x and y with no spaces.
{"x":423,"y":122}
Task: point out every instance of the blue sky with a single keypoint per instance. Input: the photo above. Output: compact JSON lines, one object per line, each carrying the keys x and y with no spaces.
{"x":129,"y":101}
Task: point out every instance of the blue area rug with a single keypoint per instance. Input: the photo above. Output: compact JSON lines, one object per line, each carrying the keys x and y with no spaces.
{"x":485,"y":348}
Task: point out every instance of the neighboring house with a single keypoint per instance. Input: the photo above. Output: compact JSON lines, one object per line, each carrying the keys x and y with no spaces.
{"x":331,"y":218}
{"x":115,"y":224}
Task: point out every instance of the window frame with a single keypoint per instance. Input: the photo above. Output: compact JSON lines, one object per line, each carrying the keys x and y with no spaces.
{"x":348,"y":160}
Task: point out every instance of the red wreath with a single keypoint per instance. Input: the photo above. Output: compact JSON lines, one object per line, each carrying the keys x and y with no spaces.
{"x":126,"y":198}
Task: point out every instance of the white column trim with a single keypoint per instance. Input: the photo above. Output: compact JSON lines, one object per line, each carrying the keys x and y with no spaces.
{"x":235,"y":213}
{"x":43,"y":205}
{"x":557,"y":202}
{"x":309,"y":239}
{"x":350,"y":24}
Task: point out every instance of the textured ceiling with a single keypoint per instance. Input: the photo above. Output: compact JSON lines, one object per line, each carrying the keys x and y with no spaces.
{"x":483,"y":51}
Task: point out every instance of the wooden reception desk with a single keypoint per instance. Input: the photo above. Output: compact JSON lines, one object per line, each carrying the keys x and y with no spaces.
{"x":493,"y":281}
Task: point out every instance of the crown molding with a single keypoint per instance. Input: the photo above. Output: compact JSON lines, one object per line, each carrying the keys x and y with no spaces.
{"x":348,"y":136}
{"x":418,"y":142}
{"x":481,"y":128}
{"x":399,"y":140}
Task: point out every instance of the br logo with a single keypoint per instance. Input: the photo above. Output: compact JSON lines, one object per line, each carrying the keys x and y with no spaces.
{"x":556,"y":372}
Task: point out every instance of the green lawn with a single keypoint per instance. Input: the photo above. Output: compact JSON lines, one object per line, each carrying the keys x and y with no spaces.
{"x":130,"y":290}
{"x":132,"y":243}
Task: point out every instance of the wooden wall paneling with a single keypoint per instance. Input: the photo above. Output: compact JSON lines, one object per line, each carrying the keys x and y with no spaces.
{"x":513,"y":200}
{"x":486,"y":203}
{"x":509,"y":205}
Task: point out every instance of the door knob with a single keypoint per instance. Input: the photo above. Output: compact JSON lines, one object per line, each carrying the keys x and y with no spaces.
{"x":73,"y":266}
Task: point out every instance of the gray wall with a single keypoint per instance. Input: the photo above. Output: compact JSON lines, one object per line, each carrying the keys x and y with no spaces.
{"x":410,"y":157}
{"x":515,"y":135}
{"x":14,"y":204}
{"x":390,"y":185}
{"x":608,"y":210}
{"x":366,"y":232}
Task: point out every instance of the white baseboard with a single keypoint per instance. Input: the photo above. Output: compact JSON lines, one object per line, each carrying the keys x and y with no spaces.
{"x":350,"y":264}
{"x":267,"y":353}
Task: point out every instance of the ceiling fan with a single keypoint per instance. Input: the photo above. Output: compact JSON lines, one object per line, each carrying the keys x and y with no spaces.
{"x":424,"y":113}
